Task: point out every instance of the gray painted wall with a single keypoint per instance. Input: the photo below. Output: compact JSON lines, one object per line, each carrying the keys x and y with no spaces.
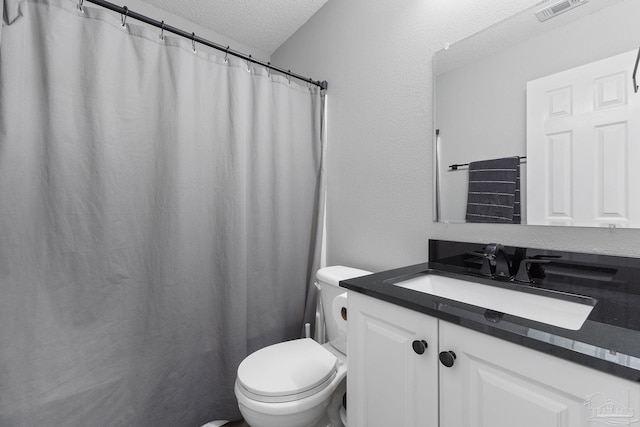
{"x":377,"y":57}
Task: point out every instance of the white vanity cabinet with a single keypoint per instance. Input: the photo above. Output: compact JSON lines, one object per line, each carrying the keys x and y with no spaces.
{"x":496,"y":383}
{"x":389,"y":383}
{"x":491,"y":383}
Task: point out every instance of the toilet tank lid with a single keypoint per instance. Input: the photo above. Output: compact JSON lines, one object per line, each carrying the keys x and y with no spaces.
{"x":287,"y":368}
{"x":332,"y":275}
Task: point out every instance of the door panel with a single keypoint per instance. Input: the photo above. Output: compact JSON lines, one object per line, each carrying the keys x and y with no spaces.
{"x":389,"y":384}
{"x":582,"y":145}
{"x":495,"y":383}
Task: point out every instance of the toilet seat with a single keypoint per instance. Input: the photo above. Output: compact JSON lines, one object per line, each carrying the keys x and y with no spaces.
{"x":287,"y":371}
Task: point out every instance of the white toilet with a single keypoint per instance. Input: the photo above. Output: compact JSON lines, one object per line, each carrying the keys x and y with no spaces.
{"x":300,"y":383}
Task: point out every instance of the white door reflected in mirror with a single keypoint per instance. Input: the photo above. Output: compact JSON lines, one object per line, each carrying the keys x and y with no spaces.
{"x":583,"y":134}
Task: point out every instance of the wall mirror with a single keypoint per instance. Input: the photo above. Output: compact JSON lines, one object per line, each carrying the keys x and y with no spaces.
{"x":555,"y":96}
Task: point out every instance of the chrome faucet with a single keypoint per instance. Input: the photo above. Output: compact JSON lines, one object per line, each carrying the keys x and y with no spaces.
{"x":499,"y":263}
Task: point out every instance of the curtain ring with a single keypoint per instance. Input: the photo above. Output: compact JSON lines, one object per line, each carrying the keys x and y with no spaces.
{"x":80,"y":9}
{"x":123,"y":17}
{"x":162,"y":31}
{"x":193,"y":42}
{"x":226,"y":55}
{"x":268,"y":69}
{"x":249,"y":64}
{"x":289,"y":76}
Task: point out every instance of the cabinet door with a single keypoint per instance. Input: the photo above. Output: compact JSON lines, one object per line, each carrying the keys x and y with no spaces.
{"x":495,"y":383}
{"x":388,"y":383}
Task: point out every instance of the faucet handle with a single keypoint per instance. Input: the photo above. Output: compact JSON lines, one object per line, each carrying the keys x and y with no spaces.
{"x":531,"y":268}
{"x":486,"y":262}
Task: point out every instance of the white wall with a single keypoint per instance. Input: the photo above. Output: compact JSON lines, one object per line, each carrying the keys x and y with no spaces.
{"x":376,"y":55}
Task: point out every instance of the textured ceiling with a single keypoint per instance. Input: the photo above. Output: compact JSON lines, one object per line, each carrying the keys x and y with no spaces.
{"x":264,"y":24}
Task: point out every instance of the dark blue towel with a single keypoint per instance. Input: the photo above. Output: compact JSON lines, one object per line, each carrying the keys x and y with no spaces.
{"x":494,"y":191}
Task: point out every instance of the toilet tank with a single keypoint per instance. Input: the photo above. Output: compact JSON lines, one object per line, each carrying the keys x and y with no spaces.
{"x":329,"y":280}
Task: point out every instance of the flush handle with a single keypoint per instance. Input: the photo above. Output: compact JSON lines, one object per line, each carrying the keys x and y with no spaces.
{"x":419,"y":346}
{"x":447,"y":358}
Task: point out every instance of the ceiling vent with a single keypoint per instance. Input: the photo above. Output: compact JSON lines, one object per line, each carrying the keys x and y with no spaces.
{"x":558,"y":8}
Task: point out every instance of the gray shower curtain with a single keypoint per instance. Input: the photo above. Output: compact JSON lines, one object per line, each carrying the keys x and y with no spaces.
{"x":158,"y":219}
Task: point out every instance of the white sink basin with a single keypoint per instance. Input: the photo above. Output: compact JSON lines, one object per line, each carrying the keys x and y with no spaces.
{"x":550,"y":310}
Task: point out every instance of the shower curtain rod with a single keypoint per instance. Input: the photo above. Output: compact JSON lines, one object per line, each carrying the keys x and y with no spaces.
{"x":126,"y":13}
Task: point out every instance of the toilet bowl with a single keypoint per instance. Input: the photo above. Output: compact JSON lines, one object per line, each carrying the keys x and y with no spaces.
{"x":294,"y":387}
{"x":291,"y":384}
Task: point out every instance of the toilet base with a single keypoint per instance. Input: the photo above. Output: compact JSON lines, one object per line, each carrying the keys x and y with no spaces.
{"x":332,"y":416}
{"x":326,"y":414}
{"x":299,"y":419}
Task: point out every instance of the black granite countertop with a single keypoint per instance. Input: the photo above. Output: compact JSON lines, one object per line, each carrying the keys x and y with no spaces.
{"x":609,"y":340}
